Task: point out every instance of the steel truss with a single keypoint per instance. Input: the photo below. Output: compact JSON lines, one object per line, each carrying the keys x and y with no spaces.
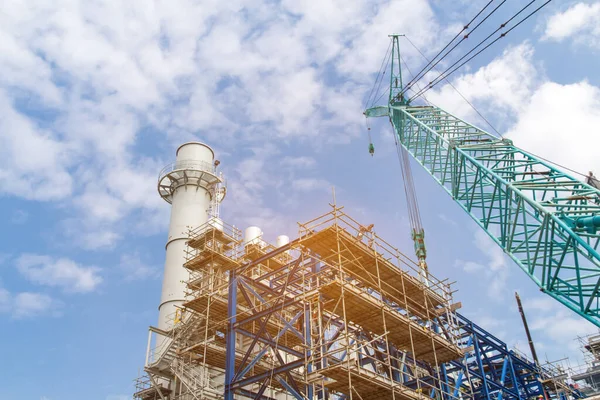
{"x":490,"y":370}
{"x":544,"y":219}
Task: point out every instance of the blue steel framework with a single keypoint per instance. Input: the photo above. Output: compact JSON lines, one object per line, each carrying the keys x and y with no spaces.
{"x":544,"y":219}
{"x":284,"y":331}
{"x":493,"y":371}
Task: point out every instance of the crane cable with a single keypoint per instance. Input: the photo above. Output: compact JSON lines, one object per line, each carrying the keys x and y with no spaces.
{"x":455,"y":88}
{"x":586,"y":176}
{"x":379,"y":78}
{"x":412,"y":204}
{"x":445,"y":74}
{"x":425,"y":70}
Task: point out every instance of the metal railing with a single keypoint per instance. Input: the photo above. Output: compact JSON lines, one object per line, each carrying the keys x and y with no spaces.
{"x":188,"y":164}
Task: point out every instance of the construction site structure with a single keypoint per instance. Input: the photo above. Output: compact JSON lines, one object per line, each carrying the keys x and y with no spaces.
{"x":336,"y":313}
{"x":586,"y":375}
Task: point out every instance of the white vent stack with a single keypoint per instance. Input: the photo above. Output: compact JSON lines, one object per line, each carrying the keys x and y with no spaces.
{"x":189,"y":185}
{"x":282,"y":240}
{"x":253,"y":235}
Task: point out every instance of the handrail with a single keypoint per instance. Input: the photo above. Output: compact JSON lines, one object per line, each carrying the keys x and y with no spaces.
{"x":188,"y":164}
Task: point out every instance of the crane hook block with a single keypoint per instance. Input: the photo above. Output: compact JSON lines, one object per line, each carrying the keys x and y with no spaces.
{"x":371,"y":149}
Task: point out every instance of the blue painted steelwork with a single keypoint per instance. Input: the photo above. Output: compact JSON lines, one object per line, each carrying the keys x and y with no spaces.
{"x":230,"y":337}
{"x":255,"y":318}
{"x":544,"y":219}
{"x":489,"y":369}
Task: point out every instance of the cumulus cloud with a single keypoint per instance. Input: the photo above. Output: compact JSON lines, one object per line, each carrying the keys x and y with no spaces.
{"x":298,"y":162}
{"x":84,"y":88}
{"x":494,"y":265}
{"x":29,"y":305}
{"x":134,"y":269}
{"x":580,"y":22}
{"x":543,"y":314}
{"x":514,"y":90}
{"x":503,"y":86}
{"x":310,"y":184}
{"x":58,"y":272}
{"x":543,"y":129}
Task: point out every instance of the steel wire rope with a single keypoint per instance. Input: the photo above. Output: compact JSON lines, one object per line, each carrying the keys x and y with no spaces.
{"x":480,"y":114}
{"x":408,"y":181}
{"x":422,"y":92}
{"x":379,"y":73}
{"x":457,"y":91}
{"x":449,"y":43}
{"x":445,"y":74}
{"x":380,"y":82}
{"x":422,"y":74}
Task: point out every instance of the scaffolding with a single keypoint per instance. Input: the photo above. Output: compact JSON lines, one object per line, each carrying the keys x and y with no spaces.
{"x":336,"y":313}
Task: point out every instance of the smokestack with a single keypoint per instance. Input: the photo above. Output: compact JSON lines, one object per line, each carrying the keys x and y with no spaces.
{"x":188,"y":185}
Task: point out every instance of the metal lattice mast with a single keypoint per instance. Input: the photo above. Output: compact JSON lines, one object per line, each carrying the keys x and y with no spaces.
{"x":544,"y":219}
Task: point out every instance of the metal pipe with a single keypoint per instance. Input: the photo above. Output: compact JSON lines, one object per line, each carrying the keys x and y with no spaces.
{"x":529,"y":339}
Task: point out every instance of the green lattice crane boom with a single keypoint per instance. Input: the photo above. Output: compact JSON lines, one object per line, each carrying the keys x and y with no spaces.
{"x":544,"y":219}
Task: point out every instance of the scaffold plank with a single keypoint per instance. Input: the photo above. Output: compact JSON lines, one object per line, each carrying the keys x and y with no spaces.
{"x":368,"y":312}
{"x":209,"y":257}
{"x":369,"y":266}
{"x":218,"y":318}
{"x":255,"y":251}
{"x":368,"y":384}
{"x":211,"y":233}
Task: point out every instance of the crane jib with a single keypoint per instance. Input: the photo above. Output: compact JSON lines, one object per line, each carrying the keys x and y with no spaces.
{"x":544,"y":219}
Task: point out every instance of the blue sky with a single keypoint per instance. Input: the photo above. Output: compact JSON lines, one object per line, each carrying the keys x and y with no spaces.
{"x":95,"y":97}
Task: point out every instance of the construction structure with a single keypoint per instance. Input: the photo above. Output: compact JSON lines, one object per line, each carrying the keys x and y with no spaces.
{"x":338,"y":312}
{"x":586,"y":376}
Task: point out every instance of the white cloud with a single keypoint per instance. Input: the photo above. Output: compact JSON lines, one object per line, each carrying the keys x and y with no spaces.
{"x":580,"y":22}
{"x":33,"y":162}
{"x":543,"y":314}
{"x":310,"y":184}
{"x":29,"y":305}
{"x":134,"y":269}
{"x":303,"y":162}
{"x":494,"y":267}
{"x":502,"y":86}
{"x":514,"y":90}
{"x":543,"y":129}
{"x":60,"y":272}
{"x":99,"y":76}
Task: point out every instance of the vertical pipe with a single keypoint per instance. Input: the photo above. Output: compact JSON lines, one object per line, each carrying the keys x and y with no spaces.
{"x":503,"y":375}
{"x":230,"y":338}
{"x":308,"y":339}
{"x":148,"y":347}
